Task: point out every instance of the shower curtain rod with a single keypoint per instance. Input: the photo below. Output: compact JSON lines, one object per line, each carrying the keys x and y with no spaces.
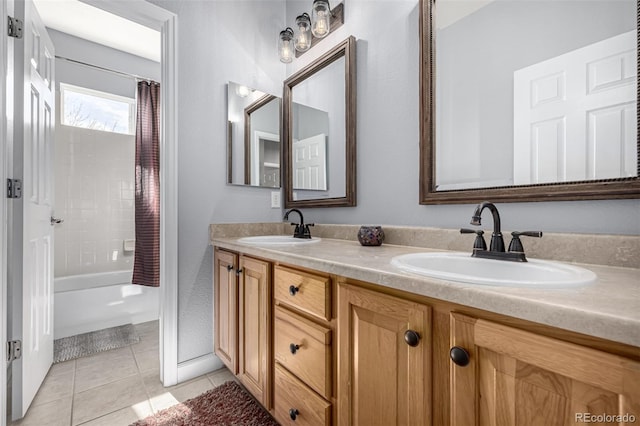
{"x":125,"y":74}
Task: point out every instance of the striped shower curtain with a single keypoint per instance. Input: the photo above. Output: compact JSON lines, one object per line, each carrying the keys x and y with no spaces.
{"x":146,"y":265}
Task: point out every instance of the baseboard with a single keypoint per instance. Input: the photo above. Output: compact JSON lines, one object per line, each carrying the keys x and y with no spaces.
{"x":193,"y":368}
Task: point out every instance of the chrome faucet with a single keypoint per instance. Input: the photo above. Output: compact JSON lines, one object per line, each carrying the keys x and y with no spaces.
{"x":496,"y":247}
{"x":302,"y":229}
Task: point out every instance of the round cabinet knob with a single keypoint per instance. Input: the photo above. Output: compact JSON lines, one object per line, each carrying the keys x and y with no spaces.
{"x":412,"y":338}
{"x":459,"y":356}
{"x":229,"y":267}
{"x":294,"y":348}
{"x":293,"y":290}
{"x":238,"y":271}
{"x":293,"y":413}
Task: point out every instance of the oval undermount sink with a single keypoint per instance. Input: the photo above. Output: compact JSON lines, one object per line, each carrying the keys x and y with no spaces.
{"x":276,"y":240}
{"x":461,"y":267}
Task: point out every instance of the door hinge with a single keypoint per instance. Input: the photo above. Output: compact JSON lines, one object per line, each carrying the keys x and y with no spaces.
{"x":14,"y":188}
{"x":15,"y":27}
{"x":14,"y":350}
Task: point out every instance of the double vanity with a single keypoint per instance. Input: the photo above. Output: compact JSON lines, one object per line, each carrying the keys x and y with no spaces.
{"x":326,"y":331}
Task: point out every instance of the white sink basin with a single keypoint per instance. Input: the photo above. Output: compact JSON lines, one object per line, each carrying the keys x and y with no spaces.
{"x":277,"y":240}
{"x":461,"y":267}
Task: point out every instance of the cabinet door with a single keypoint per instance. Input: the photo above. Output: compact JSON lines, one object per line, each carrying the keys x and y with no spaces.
{"x":382,"y":380}
{"x":519,"y":378}
{"x":225,"y":302}
{"x":255,"y":328}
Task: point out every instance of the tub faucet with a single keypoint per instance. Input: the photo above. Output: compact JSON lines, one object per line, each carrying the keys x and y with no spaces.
{"x":302,"y":229}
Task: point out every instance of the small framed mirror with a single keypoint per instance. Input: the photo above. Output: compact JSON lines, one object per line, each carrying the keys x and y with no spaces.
{"x":253,"y":137}
{"x":528,"y":100}
{"x":319,"y":131}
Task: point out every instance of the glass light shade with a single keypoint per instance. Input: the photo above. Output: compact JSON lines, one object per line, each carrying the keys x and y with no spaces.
{"x":285,"y":46}
{"x":303,"y":33}
{"x":320,"y":18}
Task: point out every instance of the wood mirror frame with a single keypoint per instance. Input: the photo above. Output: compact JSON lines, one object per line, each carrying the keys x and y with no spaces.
{"x":617,"y":188}
{"x":346,"y":49}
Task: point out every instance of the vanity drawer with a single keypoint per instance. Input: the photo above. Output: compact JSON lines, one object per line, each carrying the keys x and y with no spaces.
{"x":304,"y":348}
{"x":308,"y":292}
{"x":296,"y":404}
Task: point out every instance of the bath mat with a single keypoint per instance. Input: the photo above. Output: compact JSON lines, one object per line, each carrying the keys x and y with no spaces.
{"x":226,"y":405}
{"x":73,"y":347}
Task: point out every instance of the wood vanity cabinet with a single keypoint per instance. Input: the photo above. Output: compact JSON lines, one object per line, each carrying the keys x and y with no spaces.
{"x":242,"y":303}
{"x":515,"y":377}
{"x":384,"y":375}
{"x":303,"y":347}
{"x":316,"y":349}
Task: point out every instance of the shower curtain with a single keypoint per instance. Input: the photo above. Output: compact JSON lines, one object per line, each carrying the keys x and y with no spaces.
{"x":146,"y":264}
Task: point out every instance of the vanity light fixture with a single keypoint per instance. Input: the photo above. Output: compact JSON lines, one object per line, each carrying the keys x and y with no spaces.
{"x":320,"y":18}
{"x":303,"y":33}
{"x":309,"y":29}
{"x":285,"y":46}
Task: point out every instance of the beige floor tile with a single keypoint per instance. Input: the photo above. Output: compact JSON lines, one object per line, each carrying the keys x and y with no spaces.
{"x":57,"y":384}
{"x":107,"y":399}
{"x":148,"y":360}
{"x":150,"y":328}
{"x":146,"y":344}
{"x":221,"y":376}
{"x":102,"y":357}
{"x":123,"y":417}
{"x":53,"y":413}
{"x":62,"y":368}
{"x":105,"y":370}
{"x":180,"y":393}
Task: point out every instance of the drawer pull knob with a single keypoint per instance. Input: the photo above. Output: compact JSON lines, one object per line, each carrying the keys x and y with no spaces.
{"x":293,"y":290}
{"x":229,"y":267}
{"x":294,"y":348}
{"x":238,"y":271}
{"x":412,"y":338}
{"x":459,"y":356}
{"x":293,"y":413}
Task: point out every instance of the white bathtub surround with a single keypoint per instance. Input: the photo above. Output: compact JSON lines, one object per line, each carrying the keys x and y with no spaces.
{"x":94,"y":188}
{"x":93,"y":302}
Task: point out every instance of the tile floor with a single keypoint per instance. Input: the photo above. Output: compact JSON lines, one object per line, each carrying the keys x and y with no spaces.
{"x":112,"y":388}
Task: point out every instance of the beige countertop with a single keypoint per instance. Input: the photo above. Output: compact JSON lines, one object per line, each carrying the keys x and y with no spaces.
{"x":609,"y":308}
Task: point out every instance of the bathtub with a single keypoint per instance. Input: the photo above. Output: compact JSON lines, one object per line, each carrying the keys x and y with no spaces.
{"x":90,"y":302}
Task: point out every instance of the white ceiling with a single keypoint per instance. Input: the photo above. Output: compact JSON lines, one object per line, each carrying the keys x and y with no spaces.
{"x":88,"y":22}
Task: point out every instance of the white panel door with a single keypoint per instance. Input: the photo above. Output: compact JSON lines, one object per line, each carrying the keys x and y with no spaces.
{"x":310,"y":163}
{"x":37,"y":288}
{"x":575,"y":115}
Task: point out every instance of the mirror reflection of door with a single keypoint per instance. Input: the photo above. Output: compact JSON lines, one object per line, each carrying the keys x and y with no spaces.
{"x":310,"y":163}
{"x":265,"y":170}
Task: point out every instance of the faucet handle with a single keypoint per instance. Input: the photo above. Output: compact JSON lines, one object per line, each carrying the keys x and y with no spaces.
{"x":516,"y":244}
{"x":479,"y":243}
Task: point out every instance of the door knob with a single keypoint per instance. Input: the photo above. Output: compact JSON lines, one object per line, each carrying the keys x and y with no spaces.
{"x":56,"y":221}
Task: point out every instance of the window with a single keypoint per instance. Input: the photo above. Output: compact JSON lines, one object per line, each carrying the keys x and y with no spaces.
{"x":92,"y":109}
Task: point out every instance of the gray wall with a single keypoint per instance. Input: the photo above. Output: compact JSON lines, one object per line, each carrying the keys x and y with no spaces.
{"x":388,"y":136}
{"x":218,"y":41}
{"x":216,"y":47}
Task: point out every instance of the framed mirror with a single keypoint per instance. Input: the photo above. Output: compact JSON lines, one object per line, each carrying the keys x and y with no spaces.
{"x":319,"y":131}
{"x":528,"y":100}
{"x":253,"y":137}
